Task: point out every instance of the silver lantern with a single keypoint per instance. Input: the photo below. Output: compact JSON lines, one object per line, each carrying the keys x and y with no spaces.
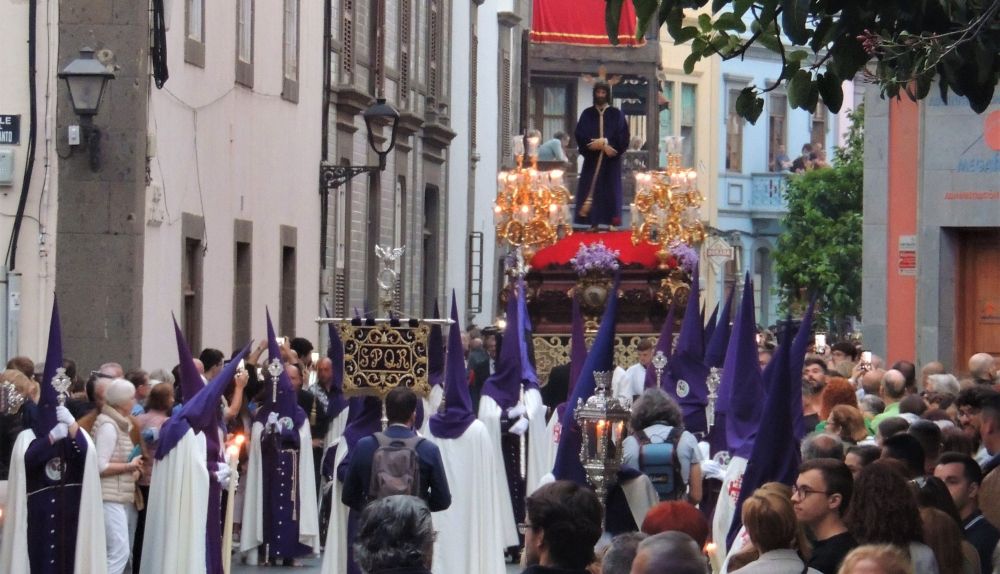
{"x":603,"y":421}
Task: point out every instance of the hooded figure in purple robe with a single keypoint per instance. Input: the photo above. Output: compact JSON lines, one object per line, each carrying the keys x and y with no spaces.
{"x":364,"y":419}
{"x":715,"y":357}
{"x":52,"y":522}
{"x":184,"y":511}
{"x":602,"y":137}
{"x":775,"y":456}
{"x":686,"y":382}
{"x":280,"y":515}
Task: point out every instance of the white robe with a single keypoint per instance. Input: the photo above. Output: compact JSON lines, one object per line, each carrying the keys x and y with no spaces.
{"x":489,"y":414}
{"x":252,"y":534}
{"x":470,"y":535}
{"x":433,"y":402}
{"x":725,"y":508}
{"x":174,"y":539}
{"x":90,"y":555}
{"x":538,"y":464}
{"x":335,"y":550}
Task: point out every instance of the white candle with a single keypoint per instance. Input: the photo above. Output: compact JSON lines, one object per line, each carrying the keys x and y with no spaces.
{"x":635,"y":213}
{"x":532,"y":146}
{"x":518,"y":145}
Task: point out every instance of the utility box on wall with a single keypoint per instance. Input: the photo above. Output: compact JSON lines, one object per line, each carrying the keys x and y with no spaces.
{"x":6,"y":167}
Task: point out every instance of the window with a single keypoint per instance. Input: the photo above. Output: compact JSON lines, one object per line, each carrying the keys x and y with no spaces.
{"x":433,"y":47}
{"x":688,"y":114}
{"x":244,"y":42}
{"x":286,"y":297}
{"x":290,"y":59}
{"x":734,"y":135}
{"x":242,"y":283}
{"x":373,"y":236}
{"x":194,"y":37}
{"x":777,"y":106}
{"x":550,"y":108}
{"x":818,"y":126}
{"x":431,"y":248}
{"x":193,"y":254}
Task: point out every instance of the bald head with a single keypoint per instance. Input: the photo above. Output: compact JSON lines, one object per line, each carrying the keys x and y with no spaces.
{"x":669,"y":552}
{"x":893,"y":386}
{"x":981,"y":367}
{"x":871,"y":381}
{"x":324,"y":372}
{"x":113,"y":370}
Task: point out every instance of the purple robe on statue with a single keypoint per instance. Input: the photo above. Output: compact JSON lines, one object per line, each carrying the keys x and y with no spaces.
{"x":54,"y":487}
{"x":601,"y":176}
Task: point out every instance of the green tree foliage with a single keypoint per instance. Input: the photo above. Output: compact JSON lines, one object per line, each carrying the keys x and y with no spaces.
{"x":820,"y":250}
{"x":903,"y":45}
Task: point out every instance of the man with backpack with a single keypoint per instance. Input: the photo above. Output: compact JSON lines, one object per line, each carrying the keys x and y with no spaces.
{"x":396,"y":461}
{"x":661,"y":449}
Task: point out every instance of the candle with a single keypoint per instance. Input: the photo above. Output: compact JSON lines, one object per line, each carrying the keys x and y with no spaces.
{"x":518,"y":145}
{"x":532,"y":146}
{"x":635,"y":213}
{"x":555,"y":176}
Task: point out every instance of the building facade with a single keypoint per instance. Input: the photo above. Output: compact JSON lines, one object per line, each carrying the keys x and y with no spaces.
{"x":931,"y":230}
{"x":749,"y":194}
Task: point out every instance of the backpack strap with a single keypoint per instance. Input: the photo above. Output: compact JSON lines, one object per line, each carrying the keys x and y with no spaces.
{"x":674,"y":438}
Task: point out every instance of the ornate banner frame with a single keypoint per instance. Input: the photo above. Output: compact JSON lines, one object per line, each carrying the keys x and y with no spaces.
{"x":382,"y":355}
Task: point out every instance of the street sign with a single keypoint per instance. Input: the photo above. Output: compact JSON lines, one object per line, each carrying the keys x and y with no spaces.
{"x":718,"y":251}
{"x":10,"y":129}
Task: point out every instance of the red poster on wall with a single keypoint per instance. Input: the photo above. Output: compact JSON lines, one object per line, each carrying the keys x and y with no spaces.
{"x":580,"y":22}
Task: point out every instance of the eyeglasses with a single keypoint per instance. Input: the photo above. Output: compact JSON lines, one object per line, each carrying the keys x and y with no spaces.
{"x":805,"y":491}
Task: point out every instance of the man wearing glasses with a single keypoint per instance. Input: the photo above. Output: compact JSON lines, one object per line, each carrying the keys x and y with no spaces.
{"x":820,"y":496}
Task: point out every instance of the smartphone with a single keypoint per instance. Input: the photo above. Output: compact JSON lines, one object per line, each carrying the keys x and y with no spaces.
{"x":866,"y":357}
{"x":820,"y":342}
{"x":315,"y":357}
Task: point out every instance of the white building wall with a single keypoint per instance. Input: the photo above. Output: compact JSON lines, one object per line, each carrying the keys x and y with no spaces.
{"x":486,"y":170}
{"x":35,"y":260}
{"x":459,"y":153}
{"x":227,"y":152}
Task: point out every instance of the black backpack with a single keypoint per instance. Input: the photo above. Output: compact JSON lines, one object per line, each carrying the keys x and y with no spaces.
{"x":659,"y":461}
{"x":395,"y":467}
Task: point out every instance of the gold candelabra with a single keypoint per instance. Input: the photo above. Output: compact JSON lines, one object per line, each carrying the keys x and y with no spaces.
{"x":666,"y":208}
{"x":532,"y":207}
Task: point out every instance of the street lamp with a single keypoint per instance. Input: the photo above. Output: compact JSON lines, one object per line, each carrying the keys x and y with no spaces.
{"x":378,"y":115}
{"x":86,"y":80}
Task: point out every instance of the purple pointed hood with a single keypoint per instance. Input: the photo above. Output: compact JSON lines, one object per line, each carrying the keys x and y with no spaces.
{"x":191,"y":382}
{"x":504,"y":385}
{"x":435,"y":351}
{"x":286,"y":403}
{"x":710,"y":325}
{"x":577,"y":353}
{"x":797,"y":359}
{"x":337,"y":401}
{"x":364,"y":418}
{"x":775,"y":456}
{"x":48,"y":400}
{"x":687,"y":364}
{"x":528,"y":375}
{"x":458,"y":414}
{"x":741,"y":392}
{"x":600,"y":358}
{"x":715,"y":350}
{"x":200,"y":412}
{"x":664,"y":344}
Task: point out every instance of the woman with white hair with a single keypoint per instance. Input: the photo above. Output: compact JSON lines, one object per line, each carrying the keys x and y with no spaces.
{"x":119,"y":471}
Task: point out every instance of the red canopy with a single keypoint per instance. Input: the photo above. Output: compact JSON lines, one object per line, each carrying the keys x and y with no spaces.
{"x":580,"y":22}
{"x":565,"y":249}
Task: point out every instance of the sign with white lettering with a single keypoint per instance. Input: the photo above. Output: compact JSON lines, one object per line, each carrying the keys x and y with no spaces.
{"x":10,"y":129}
{"x":718,"y":251}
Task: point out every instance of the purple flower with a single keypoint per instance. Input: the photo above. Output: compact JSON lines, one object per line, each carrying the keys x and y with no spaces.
{"x":595,"y":257}
{"x":687,"y":256}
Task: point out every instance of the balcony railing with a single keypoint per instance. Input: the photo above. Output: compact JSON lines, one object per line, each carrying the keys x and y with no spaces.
{"x":768,"y":192}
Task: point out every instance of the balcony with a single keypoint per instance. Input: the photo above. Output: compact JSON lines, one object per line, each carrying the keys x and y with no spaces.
{"x":767,"y":195}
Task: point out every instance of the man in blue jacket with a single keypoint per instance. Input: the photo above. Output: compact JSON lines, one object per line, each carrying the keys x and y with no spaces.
{"x":401,"y":408}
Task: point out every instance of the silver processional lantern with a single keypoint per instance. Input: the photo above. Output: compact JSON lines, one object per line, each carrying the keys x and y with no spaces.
{"x":603,"y":421}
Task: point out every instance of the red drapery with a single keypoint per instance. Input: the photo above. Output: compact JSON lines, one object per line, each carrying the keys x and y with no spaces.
{"x":566,"y":248}
{"x":580,"y":22}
